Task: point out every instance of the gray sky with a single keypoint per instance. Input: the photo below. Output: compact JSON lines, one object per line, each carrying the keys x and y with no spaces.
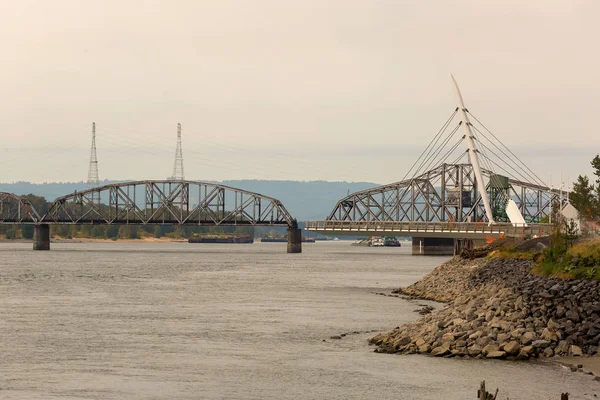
{"x":280,"y":89}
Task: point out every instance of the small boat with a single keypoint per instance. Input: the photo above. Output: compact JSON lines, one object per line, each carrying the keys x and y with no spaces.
{"x":391,"y":241}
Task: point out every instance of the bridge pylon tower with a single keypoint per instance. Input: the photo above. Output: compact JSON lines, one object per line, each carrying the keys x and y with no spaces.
{"x":473,"y":157}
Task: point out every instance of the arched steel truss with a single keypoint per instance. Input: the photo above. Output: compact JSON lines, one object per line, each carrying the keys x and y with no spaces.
{"x":168,"y":202}
{"x":15,"y":210}
{"x":448,"y":193}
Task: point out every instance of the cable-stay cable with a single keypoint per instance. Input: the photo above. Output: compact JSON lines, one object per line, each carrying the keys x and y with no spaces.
{"x":525,"y":173}
{"x":448,"y":153}
{"x":427,"y":156}
{"x":440,"y":132}
{"x":461,"y":156}
{"x":539,"y":180}
{"x":440,"y":149}
{"x":484,"y":157}
{"x":519,"y":175}
{"x":436,"y":152}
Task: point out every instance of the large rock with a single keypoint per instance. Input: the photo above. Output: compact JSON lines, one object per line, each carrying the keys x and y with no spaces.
{"x":496,"y":354}
{"x":512,"y":348}
{"x":474,"y":350}
{"x":548,"y":352}
{"x":573,"y":315}
{"x":553,"y":325}
{"x":530,"y":350}
{"x":527,"y":338}
{"x":541,"y":344}
{"x":441,"y":350}
{"x":489,"y":349}
{"x":575,"y":351}
{"x":403,"y":341}
{"x":562,"y":348}
{"x":425,"y":348}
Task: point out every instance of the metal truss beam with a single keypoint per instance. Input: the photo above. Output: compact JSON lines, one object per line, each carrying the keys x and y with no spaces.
{"x":168,"y":202}
{"x":16,"y":210}
{"x":448,"y":193}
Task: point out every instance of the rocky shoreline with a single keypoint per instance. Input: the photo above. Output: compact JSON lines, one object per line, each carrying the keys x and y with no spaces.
{"x":497,"y":309}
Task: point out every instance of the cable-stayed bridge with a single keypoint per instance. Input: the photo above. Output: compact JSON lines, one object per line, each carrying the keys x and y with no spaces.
{"x":465,"y":185}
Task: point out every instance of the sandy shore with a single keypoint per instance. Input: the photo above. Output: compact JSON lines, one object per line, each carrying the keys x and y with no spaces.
{"x":94,"y":240}
{"x":588,"y":364}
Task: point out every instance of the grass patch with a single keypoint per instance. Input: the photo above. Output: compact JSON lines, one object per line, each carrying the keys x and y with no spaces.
{"x":580,"y":261}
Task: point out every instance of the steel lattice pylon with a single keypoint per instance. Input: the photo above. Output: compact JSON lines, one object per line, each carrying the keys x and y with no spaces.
{"x":93,"y":178}
{"x":178,"y":174}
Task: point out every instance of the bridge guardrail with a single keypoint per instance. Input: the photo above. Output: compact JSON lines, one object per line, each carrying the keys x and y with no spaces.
{"x":460,"y":227}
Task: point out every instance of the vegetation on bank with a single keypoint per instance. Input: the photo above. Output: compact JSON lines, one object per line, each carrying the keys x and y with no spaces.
{"x":116,"y":232}
{"x":566,"y":254}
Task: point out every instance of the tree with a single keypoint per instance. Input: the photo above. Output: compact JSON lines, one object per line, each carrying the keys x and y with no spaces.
{"x":112,"y":232}
{"x":10,"y":233}
{"x":38,"y":202}
{"x":596,"y":165}
{"x":583,"y":197}
{"x":27,"y":231}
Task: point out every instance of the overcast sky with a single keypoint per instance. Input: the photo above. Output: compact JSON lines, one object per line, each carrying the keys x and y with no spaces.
{"x":281,"y":89}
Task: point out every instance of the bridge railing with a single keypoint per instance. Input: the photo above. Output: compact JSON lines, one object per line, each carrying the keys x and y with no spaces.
{"x":399,"y":227}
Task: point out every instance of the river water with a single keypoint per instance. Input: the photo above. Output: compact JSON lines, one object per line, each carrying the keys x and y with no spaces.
{"x":196,"y":321}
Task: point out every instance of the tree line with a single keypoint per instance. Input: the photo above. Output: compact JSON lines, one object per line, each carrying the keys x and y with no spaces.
{"x":585,"y":196}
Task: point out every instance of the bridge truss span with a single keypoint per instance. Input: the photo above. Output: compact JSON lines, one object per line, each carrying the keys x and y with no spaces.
{"x":176,"y":202}
{"x":448,"y":193}
{"x":16,"y":210}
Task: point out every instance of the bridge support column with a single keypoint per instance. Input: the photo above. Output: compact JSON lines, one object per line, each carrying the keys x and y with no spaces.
{"x":432,"y":246}
{"x":294,"y":240}
{"x":41,"y":237}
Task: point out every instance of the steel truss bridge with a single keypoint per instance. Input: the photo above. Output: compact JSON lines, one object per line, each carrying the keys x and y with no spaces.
{"x":153,"y":202}
{"x":474,"y":196}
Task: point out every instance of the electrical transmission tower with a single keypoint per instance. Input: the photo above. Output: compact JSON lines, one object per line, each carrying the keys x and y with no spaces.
{"x":178,"y":165}
{"x":93,"y":180}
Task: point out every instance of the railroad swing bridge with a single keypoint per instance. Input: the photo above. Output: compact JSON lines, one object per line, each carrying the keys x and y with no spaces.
{"x":452,"y":196}
{"x":160,"y":202}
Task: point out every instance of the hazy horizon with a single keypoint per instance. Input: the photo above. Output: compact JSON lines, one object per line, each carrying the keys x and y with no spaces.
{"x":285,"y":90}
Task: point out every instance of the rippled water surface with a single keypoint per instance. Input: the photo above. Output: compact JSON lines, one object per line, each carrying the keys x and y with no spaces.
{"x":192,"y":321}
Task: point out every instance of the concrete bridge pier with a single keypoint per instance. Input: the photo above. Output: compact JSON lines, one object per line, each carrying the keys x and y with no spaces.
{"x":294,"y":239}
{"x":426,"y":246}
{"x":41,"y":237}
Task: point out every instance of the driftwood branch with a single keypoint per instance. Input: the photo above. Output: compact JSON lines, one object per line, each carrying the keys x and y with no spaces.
{"x":483,"y":394}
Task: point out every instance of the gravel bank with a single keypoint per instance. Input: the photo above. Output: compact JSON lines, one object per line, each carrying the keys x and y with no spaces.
{"x":498,"y":309}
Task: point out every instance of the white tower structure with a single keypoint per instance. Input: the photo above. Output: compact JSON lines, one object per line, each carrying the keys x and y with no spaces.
{"x":473,"y":157}
{"x":93,"y":179}
{"x":178,"y":174}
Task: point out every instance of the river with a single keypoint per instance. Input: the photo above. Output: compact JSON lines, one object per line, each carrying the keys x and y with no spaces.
{"x":196,"y":321}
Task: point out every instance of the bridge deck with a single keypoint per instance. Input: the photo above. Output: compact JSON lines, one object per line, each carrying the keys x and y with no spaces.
{"x":457,"y":230}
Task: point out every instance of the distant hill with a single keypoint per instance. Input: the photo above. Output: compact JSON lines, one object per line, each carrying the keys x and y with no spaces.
{"x":304,"y":200}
